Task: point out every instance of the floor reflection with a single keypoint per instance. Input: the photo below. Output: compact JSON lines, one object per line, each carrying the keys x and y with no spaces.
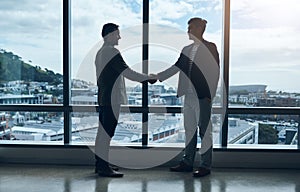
{"x":77,"y":179}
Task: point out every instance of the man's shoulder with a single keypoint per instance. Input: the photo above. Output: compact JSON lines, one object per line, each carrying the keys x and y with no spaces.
{"x":108,"y":50}
{"x":188,"y":46}
{"x":209,"y":44}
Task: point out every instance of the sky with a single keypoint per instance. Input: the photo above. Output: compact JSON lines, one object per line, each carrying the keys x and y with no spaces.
{"x":264,"y":37}
{"x":32,"y":29}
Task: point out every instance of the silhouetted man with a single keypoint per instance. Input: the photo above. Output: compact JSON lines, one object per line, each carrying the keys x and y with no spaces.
{"x":111,"y":70}
{"x":198,"y":65}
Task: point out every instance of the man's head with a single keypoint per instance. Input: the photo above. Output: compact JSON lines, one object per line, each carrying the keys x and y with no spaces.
{"x":110,"y":33}
{"x":196,"y":28}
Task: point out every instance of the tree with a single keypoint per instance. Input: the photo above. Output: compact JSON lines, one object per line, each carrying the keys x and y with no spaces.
{"x":12,"y":68}
{"x":267,"y":134}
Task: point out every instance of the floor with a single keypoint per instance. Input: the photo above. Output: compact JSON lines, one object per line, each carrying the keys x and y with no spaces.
{"x":41,"y":178}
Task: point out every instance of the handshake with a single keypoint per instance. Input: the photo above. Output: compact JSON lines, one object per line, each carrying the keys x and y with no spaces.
{"x":152,"y":78}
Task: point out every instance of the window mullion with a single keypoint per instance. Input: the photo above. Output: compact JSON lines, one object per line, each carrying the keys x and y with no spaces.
{"x":226,"y":36}
{"x":66,"y":70}
{"x":145,"y":70}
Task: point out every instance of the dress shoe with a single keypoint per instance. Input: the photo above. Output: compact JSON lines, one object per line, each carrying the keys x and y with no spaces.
{"x":109,"y":173}
{"x":113,"y":167}
{"x":182,"y":167}
{"x":201,"y":172}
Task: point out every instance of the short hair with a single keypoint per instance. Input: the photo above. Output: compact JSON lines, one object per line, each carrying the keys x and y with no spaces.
{"x":109,"y":28}
{"x":199,"y":22}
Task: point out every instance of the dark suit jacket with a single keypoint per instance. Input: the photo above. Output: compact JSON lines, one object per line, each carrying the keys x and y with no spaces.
{"x":204,"y":74}
{"x":111,"y":70}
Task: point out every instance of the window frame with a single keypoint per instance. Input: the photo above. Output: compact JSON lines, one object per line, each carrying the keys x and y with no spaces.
{"x":145,"y":109}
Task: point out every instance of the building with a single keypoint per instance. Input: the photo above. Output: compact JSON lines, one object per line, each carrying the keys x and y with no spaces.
{"x":21,"y":99}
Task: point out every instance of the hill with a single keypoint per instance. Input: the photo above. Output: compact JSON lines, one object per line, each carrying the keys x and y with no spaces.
{"x":12,"y":68}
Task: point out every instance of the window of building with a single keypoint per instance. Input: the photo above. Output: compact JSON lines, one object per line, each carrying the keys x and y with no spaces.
{"x":47,"y":70}
{"x":87,"y":19}
{"x":31,"y":73}
{"x":263,"y":129}
{"x":31,"y":52}
{"x":264,"y":53}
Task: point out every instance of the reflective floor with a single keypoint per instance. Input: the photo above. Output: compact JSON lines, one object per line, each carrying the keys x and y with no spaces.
{"x":41,"y":178}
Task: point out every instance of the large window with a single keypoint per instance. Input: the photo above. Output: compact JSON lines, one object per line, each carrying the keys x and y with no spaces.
{"x":48,"y":88}
{"x":168,"y":35}
{"x":264,"y":62}
{"x":263,"y":68}
{"x":31,"y":70}
{"x":85,"y":126}
{"x":31,"y":126}
{"x":30,"y":52}
{"x":262,"y":129}
{"x":87,"y":19}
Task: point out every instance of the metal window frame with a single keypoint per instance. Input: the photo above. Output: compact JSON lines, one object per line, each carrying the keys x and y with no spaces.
{"x":66,"y":108}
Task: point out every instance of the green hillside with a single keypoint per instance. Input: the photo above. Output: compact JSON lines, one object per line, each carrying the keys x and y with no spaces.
{"x":12,"y":68}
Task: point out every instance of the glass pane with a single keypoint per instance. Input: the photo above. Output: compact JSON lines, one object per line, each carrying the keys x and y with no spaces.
{"x":30,"y":52}
{"x":263,"y":129}
{"x":168,"y":35}
{"x":264,"y":59}
{"x":88,"y":17}
{"x":85,"y":126}
{"x":169,"y":128}
{"x":32,"y":126}
{"x":166,"y":128}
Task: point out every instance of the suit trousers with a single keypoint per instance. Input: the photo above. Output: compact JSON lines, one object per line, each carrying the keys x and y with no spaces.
{"x":197,"y":114}
{"x":108,"y":121}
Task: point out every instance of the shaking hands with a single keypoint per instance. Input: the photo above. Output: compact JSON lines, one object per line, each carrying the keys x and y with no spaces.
{"x":152,"y":78}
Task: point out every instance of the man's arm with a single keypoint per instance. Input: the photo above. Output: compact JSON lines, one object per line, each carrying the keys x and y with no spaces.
{"x":171,"y":70}
{"x":167,"y":73}
{"x":120,"y":66}
{"x":135,"y":76}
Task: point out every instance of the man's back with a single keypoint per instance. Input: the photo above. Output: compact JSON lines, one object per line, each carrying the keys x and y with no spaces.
{"x":109,"y":66}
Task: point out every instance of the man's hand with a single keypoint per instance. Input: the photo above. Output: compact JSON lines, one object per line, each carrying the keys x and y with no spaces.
{"x":152,"y":78}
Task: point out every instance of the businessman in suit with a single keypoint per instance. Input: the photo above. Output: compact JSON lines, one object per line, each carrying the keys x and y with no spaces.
{"x":198,"y":67}
{"x":111,"y":70}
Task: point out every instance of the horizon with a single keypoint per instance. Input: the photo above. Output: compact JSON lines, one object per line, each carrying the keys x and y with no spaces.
{"x":133,"y":84}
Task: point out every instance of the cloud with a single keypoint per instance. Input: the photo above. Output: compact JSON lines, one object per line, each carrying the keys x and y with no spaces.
{"x":267,"y":13}
{"x":32,"y":29}
{"x":30,"y":17}
{"x":264,"y":34}
{"x":35,"y":26}
{"x":265,"y":38}
{"x":169,"y":9}
{"x":265,"y":55}
{"x":263,"y":43}
{"x":174,"y":12}
{"x":88,"y":17}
